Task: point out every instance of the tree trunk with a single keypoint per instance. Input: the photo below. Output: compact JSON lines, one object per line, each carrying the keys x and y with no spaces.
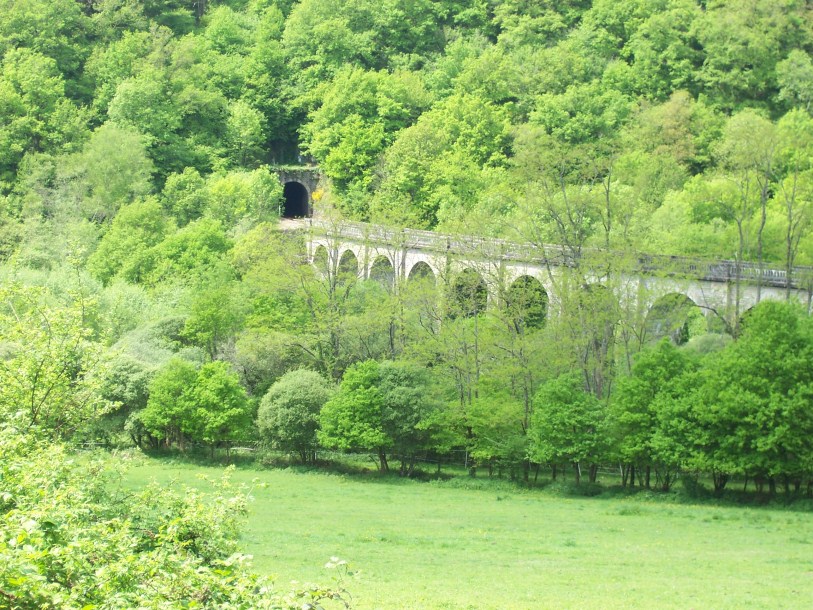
{"x":720,"y":480}
{"x":664,"y":478}
{"x":737,"y":281}
{"x":789,"y":204}
{"x":763,"y":218}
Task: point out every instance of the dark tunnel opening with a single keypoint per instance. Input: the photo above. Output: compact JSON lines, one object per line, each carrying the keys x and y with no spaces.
{"x":295,"y":204}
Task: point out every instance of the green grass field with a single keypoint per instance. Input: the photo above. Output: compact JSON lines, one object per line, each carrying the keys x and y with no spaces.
{"x":440,"y":545}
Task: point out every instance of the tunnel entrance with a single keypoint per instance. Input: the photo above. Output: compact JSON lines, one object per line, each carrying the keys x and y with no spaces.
{"x":295,"y":200}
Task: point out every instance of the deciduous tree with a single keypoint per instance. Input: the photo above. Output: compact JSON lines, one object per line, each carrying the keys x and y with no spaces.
{"x":288,"y":416}
{"x":568,"y":425}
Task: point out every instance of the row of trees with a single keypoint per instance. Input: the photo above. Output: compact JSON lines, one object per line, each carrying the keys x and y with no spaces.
{"x":742,"y":411}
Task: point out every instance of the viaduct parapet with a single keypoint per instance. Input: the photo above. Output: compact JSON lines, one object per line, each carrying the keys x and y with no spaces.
{"x":641,"y":280}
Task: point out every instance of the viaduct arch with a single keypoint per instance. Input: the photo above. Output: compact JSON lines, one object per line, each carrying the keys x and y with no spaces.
{"x":668,"y":292}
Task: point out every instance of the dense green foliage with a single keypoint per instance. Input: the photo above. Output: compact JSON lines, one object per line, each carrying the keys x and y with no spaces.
{"x":421,"y":370}
{"x":674,"y":126}
{"x":380,"y":407}
{"x":207,"y":405}
{"x":136,"y":185}
{"x":71,"y":537}
{"x":288,"y":416}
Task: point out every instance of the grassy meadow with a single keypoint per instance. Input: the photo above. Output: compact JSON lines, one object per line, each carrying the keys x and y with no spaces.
{"x":462,"y":544}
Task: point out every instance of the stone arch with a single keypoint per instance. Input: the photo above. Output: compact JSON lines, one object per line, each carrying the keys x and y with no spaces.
{"x":526,"y":301}
{"x":469,"y":294}
{"x":295,"y":200}
{"x":676,"y":316}
{"x":348,"y":264}
{"x":421,"y":271}
{"x":382,"y":271}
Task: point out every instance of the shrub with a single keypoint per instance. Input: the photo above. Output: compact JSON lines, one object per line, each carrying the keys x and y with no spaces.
{"x":288,"y":416}
{"x":70,"y":539}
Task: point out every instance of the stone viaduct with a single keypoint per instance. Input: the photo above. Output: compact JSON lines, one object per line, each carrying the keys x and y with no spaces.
{"x":385,"y":254}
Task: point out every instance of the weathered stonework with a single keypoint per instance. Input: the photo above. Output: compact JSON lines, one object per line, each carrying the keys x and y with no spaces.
{"x":712,"y":285}
{"x":309,"y":177}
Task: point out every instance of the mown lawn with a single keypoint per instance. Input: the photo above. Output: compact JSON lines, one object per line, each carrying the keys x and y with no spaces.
{"x":441,"y":545}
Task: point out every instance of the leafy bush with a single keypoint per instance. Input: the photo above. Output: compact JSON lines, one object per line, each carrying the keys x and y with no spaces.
{"x":289,"y":412}
{"x":70,"y":538}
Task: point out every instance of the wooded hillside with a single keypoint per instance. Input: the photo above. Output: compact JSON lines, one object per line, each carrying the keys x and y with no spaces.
{"x":671,"y":126}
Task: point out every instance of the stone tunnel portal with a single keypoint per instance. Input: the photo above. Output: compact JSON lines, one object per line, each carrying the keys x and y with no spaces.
{"x":295,"y":200}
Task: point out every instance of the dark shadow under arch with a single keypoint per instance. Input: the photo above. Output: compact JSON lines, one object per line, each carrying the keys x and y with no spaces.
{"x":348,"y":264}
{"x":469,"y":295}
{"x":421,"y":271}
{"x":598,"y":316}
{"x":295,"y":200}
{"x":676,"y":316}
{"x":526,"y":301}
{"x":382,"y":271}
{"x":320,"y":259}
